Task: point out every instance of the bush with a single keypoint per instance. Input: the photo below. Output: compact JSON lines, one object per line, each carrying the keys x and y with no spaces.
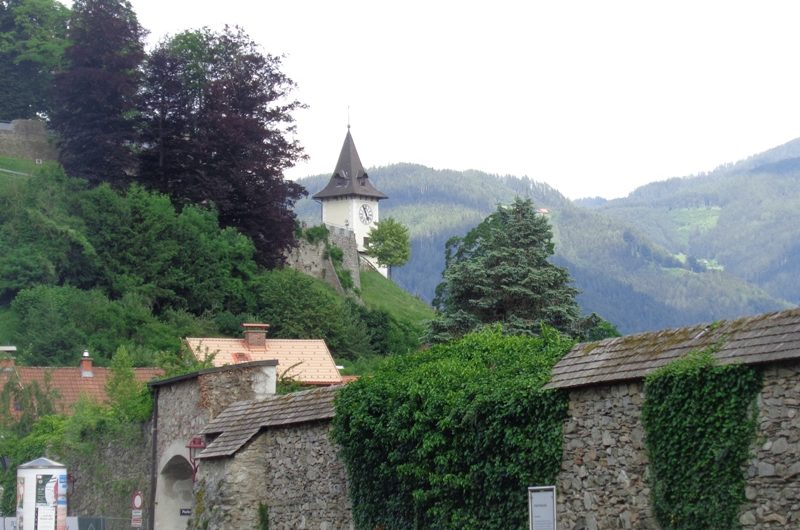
{"x":451,"y":437}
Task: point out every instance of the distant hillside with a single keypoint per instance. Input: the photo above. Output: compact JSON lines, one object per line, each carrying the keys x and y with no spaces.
{"x":627,"y":271}
{"x":743,"y":219}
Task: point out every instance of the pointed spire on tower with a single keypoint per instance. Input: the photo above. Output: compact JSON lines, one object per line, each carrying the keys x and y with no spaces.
{"x":349,"y":177}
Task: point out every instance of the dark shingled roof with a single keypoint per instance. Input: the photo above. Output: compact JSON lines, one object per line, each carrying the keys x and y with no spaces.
{"x":349,"y":177}
{"x":753,"y":340}
{"x":238,"y":423}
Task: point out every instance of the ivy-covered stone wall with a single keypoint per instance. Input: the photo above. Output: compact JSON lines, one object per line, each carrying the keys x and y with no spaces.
{"x":603,"y":483}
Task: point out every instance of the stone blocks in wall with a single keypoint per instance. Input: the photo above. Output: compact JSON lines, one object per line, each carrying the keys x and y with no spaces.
{"x":602,"y":485}
{"x":773,"y":483}
{"x":603,"y":479}
{"x":293,"y":470}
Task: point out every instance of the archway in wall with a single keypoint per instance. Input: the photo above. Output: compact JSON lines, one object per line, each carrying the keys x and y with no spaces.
{"x":174,"y":497}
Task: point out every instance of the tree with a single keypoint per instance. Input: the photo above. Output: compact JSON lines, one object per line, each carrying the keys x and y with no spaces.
{"x":216,"y":130}
{"x":499,"y":272}
{"x":94,"y":102}
{"x":32,"y":43}
{"x":389,"y":243}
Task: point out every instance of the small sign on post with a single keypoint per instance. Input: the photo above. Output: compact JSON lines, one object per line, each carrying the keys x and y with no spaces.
{"x":137,"y":501}
{"x":542,"y":507}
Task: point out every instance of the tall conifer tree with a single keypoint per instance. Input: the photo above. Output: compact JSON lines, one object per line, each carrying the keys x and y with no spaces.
{"x":500,"y":272}
{"x":95,"y":96}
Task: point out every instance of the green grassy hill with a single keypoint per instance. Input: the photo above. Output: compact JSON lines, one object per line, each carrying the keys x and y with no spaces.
{"x":379,"y":293}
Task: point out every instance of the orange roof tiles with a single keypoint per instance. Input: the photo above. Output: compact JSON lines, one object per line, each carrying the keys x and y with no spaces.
{"x":69,"y":383}
{"x":304,"y":360}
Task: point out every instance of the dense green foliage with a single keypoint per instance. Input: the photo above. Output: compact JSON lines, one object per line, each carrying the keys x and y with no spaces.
{"x":216,"y":124}
{"x":99,"y":269}
{"x":452,"y":436}
{"x":624,"y":267}
{"x":700,"y":422}
{"x":389,"y":243}
{"x":500,"y":272}
{"x":92,"y":426}
{"x":32,"y":42}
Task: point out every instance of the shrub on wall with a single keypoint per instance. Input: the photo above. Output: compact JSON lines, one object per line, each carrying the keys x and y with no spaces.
{"x":700,"y":421}
{"x":451,"y":437}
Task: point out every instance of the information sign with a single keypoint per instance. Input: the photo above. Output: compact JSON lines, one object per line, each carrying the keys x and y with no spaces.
{"x":542,"y":507}
{"x":136,"y":518}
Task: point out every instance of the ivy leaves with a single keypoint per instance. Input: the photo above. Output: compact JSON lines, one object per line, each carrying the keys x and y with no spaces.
{"x":452,"y":436}
{"x":699,"y":420}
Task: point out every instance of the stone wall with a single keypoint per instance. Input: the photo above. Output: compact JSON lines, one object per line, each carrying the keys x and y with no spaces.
{"x":185,"y":406}
{"x":104,"y":476}
{"x":773,"y":484}
{"x":603,"y":479}
{"x":26,"y":139}
{"x":293,"y":471}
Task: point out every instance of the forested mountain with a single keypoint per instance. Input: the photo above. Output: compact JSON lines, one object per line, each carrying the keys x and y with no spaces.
{"x":673,"y":253}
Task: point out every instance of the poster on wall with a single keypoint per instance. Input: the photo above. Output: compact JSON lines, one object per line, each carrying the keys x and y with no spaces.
{"x":61,"y":502}
{"x":46,"y":491}
{"x":20,"y":501}
{"x":542,"y":507}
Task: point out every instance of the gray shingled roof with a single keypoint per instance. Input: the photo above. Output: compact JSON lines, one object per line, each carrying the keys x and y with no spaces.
{"x":238,"y":423}
{"x":349,"y":177}
{"x":753,"y":340}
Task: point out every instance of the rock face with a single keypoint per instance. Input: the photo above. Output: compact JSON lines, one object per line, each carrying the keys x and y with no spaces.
{"x":291,"y":472}
{"x":311,"y":258}
{"x":603,"y":479}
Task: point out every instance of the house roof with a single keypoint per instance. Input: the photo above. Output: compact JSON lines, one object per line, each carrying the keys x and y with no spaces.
{"x":305,"y":360}
{"x":753,"y":340}
{"x":349,"y":178}
{"x":70,"y":382}
{"x":238,"y":423}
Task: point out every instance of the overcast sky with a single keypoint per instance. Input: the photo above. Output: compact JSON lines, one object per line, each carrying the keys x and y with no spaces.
{"x":594,"y":98}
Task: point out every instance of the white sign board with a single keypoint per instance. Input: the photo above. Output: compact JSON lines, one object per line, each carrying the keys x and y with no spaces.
{"x":542,"y":507}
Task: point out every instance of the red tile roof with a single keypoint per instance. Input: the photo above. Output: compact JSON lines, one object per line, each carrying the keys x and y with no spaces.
{"x":305,"y":360}
{"x":69,"y":382}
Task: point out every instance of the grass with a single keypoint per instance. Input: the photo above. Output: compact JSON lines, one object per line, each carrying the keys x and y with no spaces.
{"x":690,"y":221}
{"x":380,"y":293}
{"x":18,"y":164}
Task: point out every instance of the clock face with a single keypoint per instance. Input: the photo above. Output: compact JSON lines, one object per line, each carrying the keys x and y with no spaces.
{"x":365,"y":214}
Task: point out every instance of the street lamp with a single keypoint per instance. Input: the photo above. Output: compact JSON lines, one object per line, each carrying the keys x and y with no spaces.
{"x":195,"y":446}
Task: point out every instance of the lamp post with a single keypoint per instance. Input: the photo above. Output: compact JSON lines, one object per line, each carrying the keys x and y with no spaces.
{"x":195,"y":446}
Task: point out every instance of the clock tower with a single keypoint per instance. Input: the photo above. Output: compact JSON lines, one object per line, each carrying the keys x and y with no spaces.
{"x":350,"y":200}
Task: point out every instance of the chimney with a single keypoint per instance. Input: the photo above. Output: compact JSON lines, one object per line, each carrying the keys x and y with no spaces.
{"x":86,"y":365}
{"x":7,"y":357}
{"x":255,"y":335}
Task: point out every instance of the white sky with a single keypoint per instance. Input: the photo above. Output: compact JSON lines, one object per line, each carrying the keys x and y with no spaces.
{"x":594,"y":98}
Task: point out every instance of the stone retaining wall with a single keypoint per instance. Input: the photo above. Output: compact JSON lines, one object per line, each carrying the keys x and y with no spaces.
{"x":311,"y":258}
{"x":603,"y":480}
{"x":26,"y":139}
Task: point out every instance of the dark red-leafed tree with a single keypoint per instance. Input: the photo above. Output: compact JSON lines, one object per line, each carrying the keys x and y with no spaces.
{"x":94,"y":98}
{"x":217,"y":129}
